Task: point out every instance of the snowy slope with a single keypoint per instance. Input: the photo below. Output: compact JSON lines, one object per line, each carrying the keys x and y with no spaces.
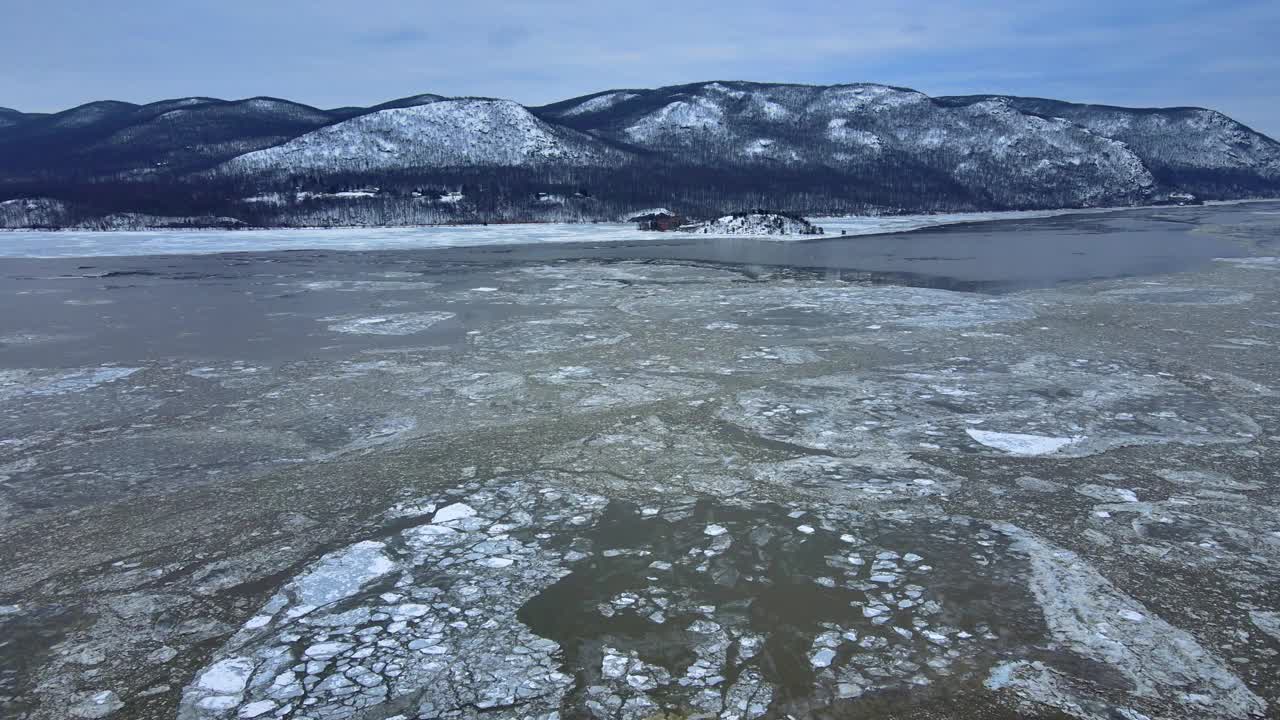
{"x":1169,"y":140}
{"x":591,"y":104}
{"x":880,"y":130}
{"x":447,"y":133}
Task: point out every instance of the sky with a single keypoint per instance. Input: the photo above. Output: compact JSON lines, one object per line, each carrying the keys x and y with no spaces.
{"x":56,"y":54}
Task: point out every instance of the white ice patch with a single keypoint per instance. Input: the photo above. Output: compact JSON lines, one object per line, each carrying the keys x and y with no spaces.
{"x":398,"y":324}
{"x":342,"y":574}
{"x":1266,"y":621}
{"x":456,"y":511}
{"x":1087,"y":615}
{"x":431,"y":644}
{"x":14,"y":383}
{"x":366,"y":285}
{"x":1019,"y":444}
{"x":1257,"y":263}
{"x":86,"y":243}
{"x":226,"y":677}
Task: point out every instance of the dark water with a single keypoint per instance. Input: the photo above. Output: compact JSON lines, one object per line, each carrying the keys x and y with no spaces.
{"x":763,"y":583}
{"x":992,"y":256}
{"x":1006,"y":253}
{"x":249,"y":305}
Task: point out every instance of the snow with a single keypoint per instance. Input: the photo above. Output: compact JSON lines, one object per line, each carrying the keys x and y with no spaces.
{"x":769,"y":109}
{"x":647,"y":211}
{"x":760,"y":146}
{"x":1019,"y":444}
{"x":266,"y":198}
{"x":598,"y":103}
{"x":86,"y":243}
{"x":869,"y":96}
{"x":754,"y":224}
{"x":838,"y":130}
{"x":169,"y":242}
{"x":444,"y":133}
{"x":697,"y":113}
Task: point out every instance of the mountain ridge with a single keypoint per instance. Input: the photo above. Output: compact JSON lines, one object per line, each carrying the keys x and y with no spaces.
{"x":703,"y":147}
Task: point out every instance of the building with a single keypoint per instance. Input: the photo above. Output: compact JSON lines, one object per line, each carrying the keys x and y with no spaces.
{"x":660,"y":222}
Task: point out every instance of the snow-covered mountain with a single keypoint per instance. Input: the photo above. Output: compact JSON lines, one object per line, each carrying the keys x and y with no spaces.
{"x":700,"y":149}
{"x":871,"y":128}
{"x":1179,"y":145}
{"x":442,"y":133}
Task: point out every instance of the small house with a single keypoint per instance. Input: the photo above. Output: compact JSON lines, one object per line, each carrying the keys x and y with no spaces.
{"x":659,"y":222}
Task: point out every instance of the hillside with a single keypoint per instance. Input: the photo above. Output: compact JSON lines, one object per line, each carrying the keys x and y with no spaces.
{"x":701,"y":149}
{"x":442,"y":133}
{"x":1185,"y":147}
{"x":132,"y":141}
{"x":990,"y":151}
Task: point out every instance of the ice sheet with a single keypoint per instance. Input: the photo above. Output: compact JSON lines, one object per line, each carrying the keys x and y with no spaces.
{"x":86,"y":243}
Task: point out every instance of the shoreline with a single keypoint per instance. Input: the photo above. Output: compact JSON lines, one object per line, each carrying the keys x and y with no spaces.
{"x":48,"y":244}
{"x":964,"y":216}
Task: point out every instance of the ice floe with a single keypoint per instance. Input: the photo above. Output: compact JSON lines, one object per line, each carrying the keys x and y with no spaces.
{"x":395,"y":324}
{"x":1020,"y":444}
{"x":1088,"y":616}
{"x":513,"y":599}
{"x":1061,"y":407}
{"x":378,"y":625}
{"x":18,"y":383}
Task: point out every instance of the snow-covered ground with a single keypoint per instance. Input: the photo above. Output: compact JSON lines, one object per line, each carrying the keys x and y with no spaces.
{"x":77,"y":243}
{"x":755,"y":225}
{"x":165,"y":242}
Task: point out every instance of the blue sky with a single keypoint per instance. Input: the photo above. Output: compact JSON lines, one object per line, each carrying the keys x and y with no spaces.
{"x":60,"y":53}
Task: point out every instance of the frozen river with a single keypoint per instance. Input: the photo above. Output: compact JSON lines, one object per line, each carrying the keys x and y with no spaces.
{"x":1017,"y":469}
{"x":74,"y":243}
